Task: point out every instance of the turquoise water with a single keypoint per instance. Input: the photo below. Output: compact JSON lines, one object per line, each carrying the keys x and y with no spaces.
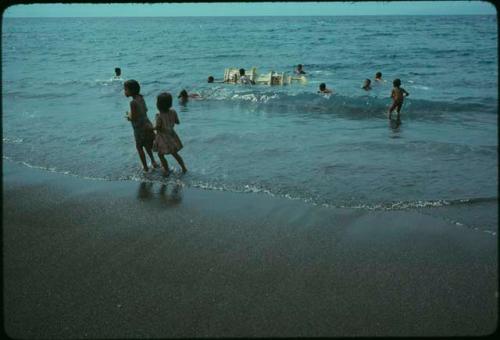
{"x":63,"y":112}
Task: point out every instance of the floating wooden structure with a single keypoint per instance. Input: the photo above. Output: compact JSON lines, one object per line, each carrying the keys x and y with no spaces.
{"x":232,"y":76}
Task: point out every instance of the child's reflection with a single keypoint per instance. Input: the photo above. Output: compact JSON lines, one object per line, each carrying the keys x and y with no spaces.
{"x":170,"y":194}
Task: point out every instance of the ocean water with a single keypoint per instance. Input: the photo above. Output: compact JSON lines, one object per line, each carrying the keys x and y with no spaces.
{"x":61,"y":110}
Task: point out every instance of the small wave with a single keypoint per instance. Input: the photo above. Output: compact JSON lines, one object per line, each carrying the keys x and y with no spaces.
{"x":12,"y":140}
{"x":92,"y":140}
{"x":256,"y":98}
{"x":62,"y":82}
{"x":154,"y":177}
{"x":420,"y":87}
{"x":30,"y":95}
{"x":161,"y":82}
{"x":53,"y":169}
{"x":413,"y":73}
{"x":178,"y":178}
{"x":418,"y":204}
{"x":354,"y":106}
{"x":105,"y":82}
{"x":155,"y":57}
{"x":246,"y":188}
{"x":218,"y":56}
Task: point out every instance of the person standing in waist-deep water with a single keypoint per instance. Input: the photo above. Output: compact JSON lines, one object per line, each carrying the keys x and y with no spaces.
{"x":167,"y":141}
{"x":397,"y":95}
{"x":143,"y":129}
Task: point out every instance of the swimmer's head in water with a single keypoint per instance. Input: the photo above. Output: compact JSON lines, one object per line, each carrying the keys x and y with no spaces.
{"x":164,"y":101}
{"x":183,"y":94}
{"x":242,"y":71}
{"x":396,"y":83}
{"x":378,"y":75}
{"x":210,"y":79}
{"x":118,"y":71}
{"x":367,"y":82}
{"x":132,"y":87}
{"x":322,"y":86}
{"x":299,"y":66}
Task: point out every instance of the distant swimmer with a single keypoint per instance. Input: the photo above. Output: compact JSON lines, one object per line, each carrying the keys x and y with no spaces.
{"x":367,"y":85}
{"x":299,"y":70}
{"x":212,"y":80}
{"x":324,"y":89}
{"x":378,"y":78}
{"x":118,"y":73}
{"x":244,"y":79}
{"x":184,"y":96}
{"x":398,"y":94}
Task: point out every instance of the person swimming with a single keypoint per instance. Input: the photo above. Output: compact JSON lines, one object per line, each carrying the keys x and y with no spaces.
{"x":324,"y":89}
{"x":299,"y":70}
{"x":366,"y":85}
{"x":212,"y":80}
{"x":118,"y":73}
{"x":184,"y":96}
{"x":244,"y":79}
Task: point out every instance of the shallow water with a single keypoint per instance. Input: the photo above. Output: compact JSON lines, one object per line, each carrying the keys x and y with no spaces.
{"x":62,"y":111}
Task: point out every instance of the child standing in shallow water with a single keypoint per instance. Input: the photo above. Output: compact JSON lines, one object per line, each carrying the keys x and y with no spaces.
{"x":398,"y":94}
{"x":166,"y":140}
{"x":143,"y":129}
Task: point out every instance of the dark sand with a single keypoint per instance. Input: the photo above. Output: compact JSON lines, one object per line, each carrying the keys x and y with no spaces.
{"x":98,"y":259}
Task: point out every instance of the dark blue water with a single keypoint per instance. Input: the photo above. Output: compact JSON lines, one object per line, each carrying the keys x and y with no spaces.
{"x":62,"y":111}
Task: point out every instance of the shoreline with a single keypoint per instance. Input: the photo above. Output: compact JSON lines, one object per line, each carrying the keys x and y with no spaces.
{"x":481,"y":213}
{"x":101,"y":259}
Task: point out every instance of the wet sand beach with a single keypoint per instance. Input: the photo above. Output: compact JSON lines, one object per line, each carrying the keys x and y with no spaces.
{"x":123,"y":259}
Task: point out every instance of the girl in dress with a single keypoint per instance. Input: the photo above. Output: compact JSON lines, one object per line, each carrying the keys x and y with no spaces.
{"x":166,"y":140}
{"x":143,"y":129}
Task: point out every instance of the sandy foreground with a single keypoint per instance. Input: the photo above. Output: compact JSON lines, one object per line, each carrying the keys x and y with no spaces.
{"x":103,"y":259}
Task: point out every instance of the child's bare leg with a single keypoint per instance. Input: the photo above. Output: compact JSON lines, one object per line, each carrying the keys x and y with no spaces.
{"x":179,"y":160}
{"x":142,"y":156}
{"x":398,"y":109}
{"x":164,"y":164}
{"x":150,"y":153}
{"x":390,"y":110}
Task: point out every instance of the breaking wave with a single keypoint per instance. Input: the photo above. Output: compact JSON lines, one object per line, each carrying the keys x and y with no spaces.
{"x":355,"y":106}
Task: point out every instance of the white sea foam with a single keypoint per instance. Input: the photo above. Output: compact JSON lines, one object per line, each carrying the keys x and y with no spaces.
{"x":12,"y":140}
{"x":54,"y":170}
{"x":421,"y":87}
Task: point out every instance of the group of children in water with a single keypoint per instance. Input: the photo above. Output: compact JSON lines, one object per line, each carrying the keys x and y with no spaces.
{"x":163,"y":139}
{"x":397,"y":95}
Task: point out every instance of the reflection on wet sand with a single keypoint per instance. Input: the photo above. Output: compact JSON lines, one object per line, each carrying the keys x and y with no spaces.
{"x":170,"y":194}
